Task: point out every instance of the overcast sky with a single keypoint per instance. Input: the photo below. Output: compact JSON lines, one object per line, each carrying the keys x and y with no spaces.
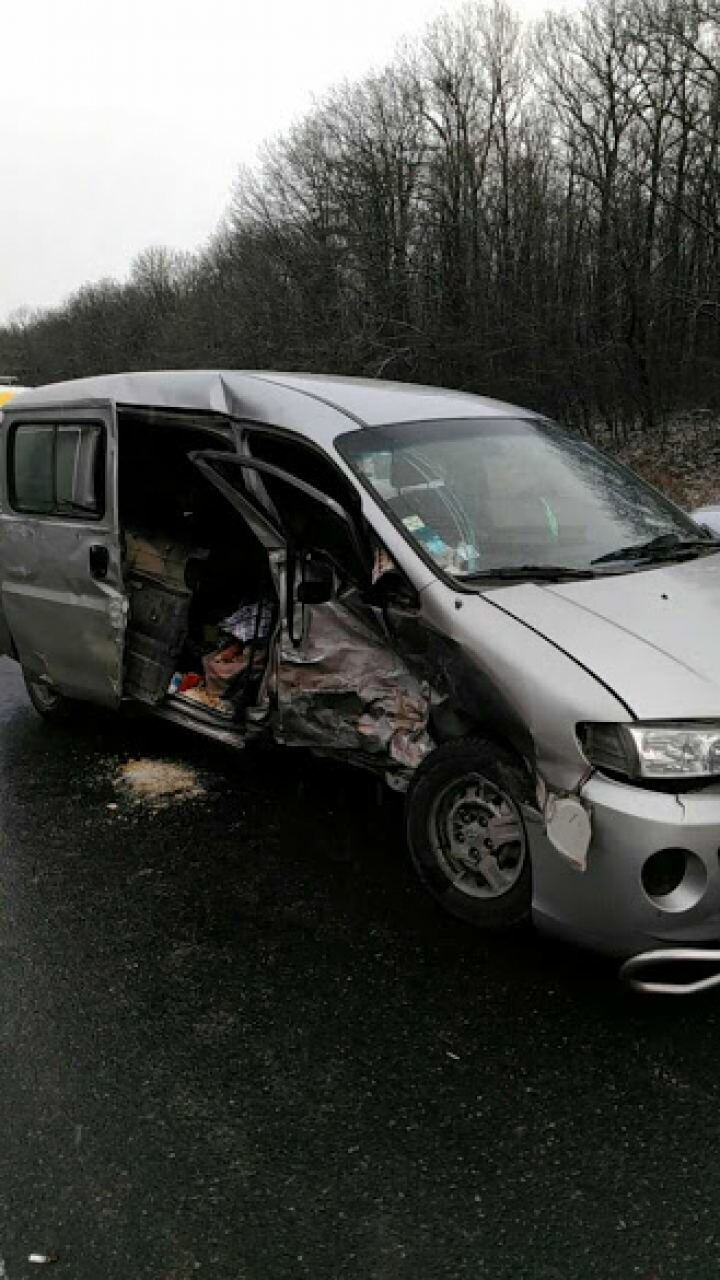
{"x":123,"y":122}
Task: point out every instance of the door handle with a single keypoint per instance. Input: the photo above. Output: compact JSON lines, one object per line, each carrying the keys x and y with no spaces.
{"x":99,"y":561}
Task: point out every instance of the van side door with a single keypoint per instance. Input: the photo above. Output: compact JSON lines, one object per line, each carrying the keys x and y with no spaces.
{"x":61,"y":586}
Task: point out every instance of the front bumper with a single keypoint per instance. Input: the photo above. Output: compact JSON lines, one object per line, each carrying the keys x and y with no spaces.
{"x":607,"y":907}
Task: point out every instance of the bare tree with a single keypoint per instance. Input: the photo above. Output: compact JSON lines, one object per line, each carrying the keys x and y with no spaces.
{"x":532,"y":214}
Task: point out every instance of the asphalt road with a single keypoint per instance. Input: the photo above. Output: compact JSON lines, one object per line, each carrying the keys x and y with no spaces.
{"x":239,"y":1042}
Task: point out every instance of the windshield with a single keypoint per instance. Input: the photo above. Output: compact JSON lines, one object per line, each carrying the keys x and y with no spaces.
{"x":488,"y":494}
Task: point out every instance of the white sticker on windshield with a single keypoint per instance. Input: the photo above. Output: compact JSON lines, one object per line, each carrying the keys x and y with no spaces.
{"x":413,"y":523}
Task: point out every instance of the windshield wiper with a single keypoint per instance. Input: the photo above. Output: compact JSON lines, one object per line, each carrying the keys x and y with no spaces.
{"x":540,"y":572}
{"x":667,"y":546}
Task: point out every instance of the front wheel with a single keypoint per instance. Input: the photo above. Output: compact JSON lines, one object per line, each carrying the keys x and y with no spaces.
{"x":467,"y":836}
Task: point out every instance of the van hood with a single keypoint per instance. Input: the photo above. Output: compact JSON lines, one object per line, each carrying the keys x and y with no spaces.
{"x":651,"y":636}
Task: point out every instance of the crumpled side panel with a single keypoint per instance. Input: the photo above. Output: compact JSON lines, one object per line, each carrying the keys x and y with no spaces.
{"x":344,"y":690}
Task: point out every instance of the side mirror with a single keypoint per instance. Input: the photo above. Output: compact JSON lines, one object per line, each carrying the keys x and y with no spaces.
{"x":318,"y":585}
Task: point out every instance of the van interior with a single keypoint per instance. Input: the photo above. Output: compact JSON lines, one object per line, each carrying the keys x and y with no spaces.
{"x":202,"y":603}
{"x":204,"y":628}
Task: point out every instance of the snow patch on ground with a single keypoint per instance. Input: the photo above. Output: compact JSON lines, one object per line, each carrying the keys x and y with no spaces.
{"x":683,"y":459}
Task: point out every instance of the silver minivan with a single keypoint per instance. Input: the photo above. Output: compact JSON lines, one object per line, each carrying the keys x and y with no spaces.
{"x":506,"y":625}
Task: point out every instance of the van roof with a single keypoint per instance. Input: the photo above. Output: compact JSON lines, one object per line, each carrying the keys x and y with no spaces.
{"x":317,"y":405}
{"x":7,"y":391}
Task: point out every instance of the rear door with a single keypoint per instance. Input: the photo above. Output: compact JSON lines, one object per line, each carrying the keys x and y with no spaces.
{"x":63,"y":602}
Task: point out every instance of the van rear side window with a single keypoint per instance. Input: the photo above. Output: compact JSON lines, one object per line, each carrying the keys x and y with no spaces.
{"x":58,"y":469}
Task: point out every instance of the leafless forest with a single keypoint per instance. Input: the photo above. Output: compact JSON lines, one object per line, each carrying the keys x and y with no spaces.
{"x":528,"y":212}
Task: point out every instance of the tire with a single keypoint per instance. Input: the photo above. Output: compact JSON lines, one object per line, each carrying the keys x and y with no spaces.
{"x":466,"y":833}
{"x":48,"y":703}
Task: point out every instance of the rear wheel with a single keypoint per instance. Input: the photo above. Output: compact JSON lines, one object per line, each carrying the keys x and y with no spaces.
{"x":467,"y":835}
{"x":46,"y":700}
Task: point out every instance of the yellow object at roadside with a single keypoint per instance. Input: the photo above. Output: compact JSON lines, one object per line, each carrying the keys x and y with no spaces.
{"x":6,"y":393}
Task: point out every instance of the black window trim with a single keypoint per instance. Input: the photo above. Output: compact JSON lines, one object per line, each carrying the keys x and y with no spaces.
{"x":84,"y":517}
{"x":251,"y":428}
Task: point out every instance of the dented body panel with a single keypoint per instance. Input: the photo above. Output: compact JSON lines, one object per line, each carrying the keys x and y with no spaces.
{"x":605,"y":906}
{"x":50,"y":595}
{"x":343,"y":685}
{"x":516,"y":684}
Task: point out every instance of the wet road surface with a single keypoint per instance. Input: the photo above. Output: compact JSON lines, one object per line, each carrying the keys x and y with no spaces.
{"x":238,"y":1041}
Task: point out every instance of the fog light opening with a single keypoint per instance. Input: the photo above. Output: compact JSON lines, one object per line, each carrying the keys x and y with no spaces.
{"x":663,"y":872}
{"x":674,"y":879}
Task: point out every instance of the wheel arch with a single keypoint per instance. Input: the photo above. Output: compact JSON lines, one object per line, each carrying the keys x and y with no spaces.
{"x":449,"y":723}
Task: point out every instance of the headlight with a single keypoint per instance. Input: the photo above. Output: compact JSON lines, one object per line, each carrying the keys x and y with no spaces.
{"x":656,"y":751}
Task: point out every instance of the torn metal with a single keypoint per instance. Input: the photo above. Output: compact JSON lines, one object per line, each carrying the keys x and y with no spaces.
{"x":568,"y":828}
{"x":344,"y":688}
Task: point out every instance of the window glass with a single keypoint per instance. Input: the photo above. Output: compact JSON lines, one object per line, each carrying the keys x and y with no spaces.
{"x":76,"y":459}
{"x":33,"y":478}
{"x":68,"y":451}
{"x":58,"y":469}
{"x":487,"y":494}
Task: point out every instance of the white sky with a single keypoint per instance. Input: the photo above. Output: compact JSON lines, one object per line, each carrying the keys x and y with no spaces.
{"x":123,"y":122}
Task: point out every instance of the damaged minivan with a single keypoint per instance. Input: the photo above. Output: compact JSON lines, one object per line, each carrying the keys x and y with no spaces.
{"x":504,"y":624}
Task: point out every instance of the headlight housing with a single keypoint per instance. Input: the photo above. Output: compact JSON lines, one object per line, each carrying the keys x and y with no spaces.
{"x":659,"y":752}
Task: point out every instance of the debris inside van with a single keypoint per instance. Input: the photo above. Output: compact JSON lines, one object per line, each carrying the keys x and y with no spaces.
{"x":241,"y":656}
{"x":159,"y":783}
{"x":224,"y":666}
{"x":159,"y":556}
{"x":186,"y":682}
{"x":346,"y":688}
{"x":249,"y":622}
{"x":204,"y":697}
